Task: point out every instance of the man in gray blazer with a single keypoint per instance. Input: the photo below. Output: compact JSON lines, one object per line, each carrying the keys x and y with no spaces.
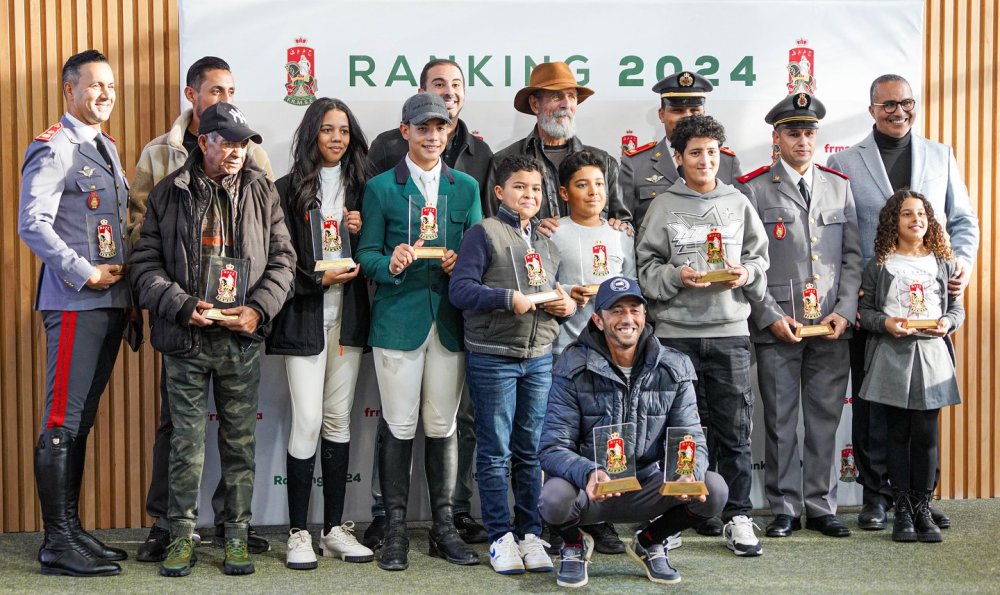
{"x":889,"y":158}
{"x":72,"y":216}
{"x":815,"y":254}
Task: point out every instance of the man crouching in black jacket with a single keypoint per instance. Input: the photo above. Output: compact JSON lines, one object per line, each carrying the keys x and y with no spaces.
{"x":617,"y":372}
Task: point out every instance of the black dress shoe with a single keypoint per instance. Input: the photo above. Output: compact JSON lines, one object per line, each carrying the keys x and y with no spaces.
{"x":446,"y":543}
{"x":828,"y":525}
{"x":468,"y":529}
{"x":872,"y":517}
{"x":783,"y":525}
{"x":942,"y":520}
{"x":711,"y":527}
{"x":154,"y":549}
{"x":375,"y":533}
{"x":606,"y":540}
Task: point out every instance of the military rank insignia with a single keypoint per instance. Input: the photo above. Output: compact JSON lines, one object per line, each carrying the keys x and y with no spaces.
{"x":617,"y":462}
{"x":331,"y":235}
{"x":685,"y":456}
{"x":810,"y":302}
{"x":227,"y":285}
{"x":600,"y":259}
{"x":713,"y":247}
{"x":105,"y":240}
{"x":533,"y":264}
{"x":428,"y":223}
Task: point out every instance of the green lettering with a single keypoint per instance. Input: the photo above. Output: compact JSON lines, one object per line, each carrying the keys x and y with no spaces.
{"x":401,"y":72}
{"x":475,"y":70}
{"x":580,"y":72}
{"x":355,"y":71}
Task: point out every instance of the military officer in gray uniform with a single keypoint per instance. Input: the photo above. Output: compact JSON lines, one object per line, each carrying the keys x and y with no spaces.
{"x":647,"y":171}
{"x":72,"y":214}
{"x":815,"y":253}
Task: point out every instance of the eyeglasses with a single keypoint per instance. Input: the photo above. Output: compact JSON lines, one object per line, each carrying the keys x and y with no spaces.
{"x":891,"y":105}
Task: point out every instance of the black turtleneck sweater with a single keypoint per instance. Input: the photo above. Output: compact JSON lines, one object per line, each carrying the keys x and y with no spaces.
{"x":897,"y":158}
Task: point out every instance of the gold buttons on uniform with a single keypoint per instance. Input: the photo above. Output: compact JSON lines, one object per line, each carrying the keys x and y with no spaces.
{"x":781,"y":218}
{"x":816,"y":277}
{"x":813,"y":240}
{"x":811,"y":221}
{"x":815,"y":258}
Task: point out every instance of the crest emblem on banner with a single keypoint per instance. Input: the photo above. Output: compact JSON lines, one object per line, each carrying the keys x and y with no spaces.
{"x":629,"y":141}
{"x":848,"y":470}
{"x":300,"y":71}
{"x":801,"y":69}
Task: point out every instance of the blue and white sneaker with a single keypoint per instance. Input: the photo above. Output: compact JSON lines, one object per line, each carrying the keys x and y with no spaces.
{"x":505,"y":556}
{"x":654,"y":561}
{"x":573,"y":560}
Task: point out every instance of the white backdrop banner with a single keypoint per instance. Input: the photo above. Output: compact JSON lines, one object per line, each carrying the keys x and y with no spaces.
{"x":369,"y":54}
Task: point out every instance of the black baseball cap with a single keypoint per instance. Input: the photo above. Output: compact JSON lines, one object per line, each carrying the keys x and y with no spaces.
{"x":613,"y":290}
{"x":424,"y":107}
{"x":228,"y":121}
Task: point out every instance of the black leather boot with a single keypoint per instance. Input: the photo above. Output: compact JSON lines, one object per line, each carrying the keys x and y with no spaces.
{"x":77,"y":459}
{"x":927,"y":530}
{"x":441,"y":466}
{"x":394,"y":476}
{"x":300,"y":474}
{"x":334,"y":457}
{"x":902,"y":518}
{"x":64,"y":552}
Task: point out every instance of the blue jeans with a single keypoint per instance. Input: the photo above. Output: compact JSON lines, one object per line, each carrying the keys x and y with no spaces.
{"x":509,"y":396}
{"x":725,"y":405}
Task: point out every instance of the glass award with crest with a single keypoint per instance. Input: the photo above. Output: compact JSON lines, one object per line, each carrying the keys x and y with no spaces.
{"x":684,"y":447}
{"x":614,"y":452}
{"x":808,"y":297}
{"x":331,"y":242}
{"x":913,"y":303}
{"x":428,"y":224}
{"x":103,"y":236}
{"x":226,"y":285}
{"x":534,"y":279}
{"x":598,"y":263}
{"x":715,"y":257}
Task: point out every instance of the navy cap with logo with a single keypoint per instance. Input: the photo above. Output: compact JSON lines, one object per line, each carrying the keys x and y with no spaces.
{"x":684,"y":88}
{"x":613,"y":290}
{"x":798,"y":110}
{"x":228,"y":121}
{"x":424,"y":107}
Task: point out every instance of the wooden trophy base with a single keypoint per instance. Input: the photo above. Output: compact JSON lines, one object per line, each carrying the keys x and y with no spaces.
{"x":216,"y":314}
{"x":543,"y":297}
{"x":590,"y":289}
{"x":719,"y":276}
{"x":684,"y":488}
{"x":613,"y":486}
{"x":920,"y":323}
{"x":337,"y":263}
{"x":429,"y":252}
{"x":814,"y":330}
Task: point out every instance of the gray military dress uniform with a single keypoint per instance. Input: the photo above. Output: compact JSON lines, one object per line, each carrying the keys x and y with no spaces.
{"x":817,"y":242}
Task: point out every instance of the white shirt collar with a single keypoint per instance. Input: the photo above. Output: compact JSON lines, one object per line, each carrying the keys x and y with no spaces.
{"x":794,"y":176}
{"x":85,"y":132}
{"x":426,"y":180}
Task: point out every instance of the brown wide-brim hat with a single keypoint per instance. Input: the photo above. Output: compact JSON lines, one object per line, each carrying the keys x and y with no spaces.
{"x":549,"y":76}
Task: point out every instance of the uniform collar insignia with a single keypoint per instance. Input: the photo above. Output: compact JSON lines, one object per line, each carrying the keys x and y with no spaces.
{"x":654,"y":178}
{"x":87,"y":171}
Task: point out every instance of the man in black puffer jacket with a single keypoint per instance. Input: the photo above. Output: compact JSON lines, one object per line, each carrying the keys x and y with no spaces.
{"x":617,"y":372}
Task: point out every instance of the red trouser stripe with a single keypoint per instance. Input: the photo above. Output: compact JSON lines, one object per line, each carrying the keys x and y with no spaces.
{"x":64,"y":357}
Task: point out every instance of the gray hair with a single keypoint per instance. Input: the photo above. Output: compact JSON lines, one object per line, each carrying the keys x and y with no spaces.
{"x":885,"y":78}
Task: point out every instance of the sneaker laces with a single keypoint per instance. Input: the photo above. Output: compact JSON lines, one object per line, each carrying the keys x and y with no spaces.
{"x":508,"y":547}
{"x":345,"y":534}
{"x":236,"y":548}
{"x":742,"y":526}
{"x":299,"y":539}
{"x":573,"y":553}
{"x":180,"y":547}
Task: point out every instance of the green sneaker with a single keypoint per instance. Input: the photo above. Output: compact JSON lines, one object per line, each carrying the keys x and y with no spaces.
{"x":180,"y":558}
{"x":237,"y":557}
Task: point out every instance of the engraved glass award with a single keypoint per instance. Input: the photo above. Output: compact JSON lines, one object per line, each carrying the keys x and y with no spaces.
{"x":684,"y":448}
{"x":534,"y":279}
{"x":913,"y":302}
{"x":598,"y":264}
{"x":330,"y":241}
{"x":614,"y":452}
{"x":103,"y":236}
{"x":808,"y":296}
{"x":714,"y":253}
{"x":428,"y":222}
{"x":226,"y":285}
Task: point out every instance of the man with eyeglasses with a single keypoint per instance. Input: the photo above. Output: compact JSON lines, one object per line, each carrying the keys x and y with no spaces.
{"x":889,"y":158}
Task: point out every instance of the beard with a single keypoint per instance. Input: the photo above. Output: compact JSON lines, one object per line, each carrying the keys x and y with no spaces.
{"x":551,"y":126}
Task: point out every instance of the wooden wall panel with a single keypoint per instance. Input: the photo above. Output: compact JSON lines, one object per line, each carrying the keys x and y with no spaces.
{"x":140,"y":37}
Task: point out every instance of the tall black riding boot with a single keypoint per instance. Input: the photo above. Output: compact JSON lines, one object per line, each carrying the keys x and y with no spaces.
{"x":334,"y":457}
{"x":77,"y":459}
{"x":394,"y":474}
{"x":64,"y":552}
{"x":300,"y":475}
{"x":902,"y":518}
{"x":927,"y":530}
{"x":441,"y":466}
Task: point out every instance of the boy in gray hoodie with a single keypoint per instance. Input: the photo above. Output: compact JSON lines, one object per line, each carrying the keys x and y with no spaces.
{"x":703,"y":225}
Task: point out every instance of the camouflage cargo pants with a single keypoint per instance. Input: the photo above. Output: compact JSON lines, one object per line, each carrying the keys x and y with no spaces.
{"x":233,"y":368}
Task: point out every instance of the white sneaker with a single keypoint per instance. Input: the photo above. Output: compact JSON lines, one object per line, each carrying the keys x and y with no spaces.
{"x":505,"y":555}
{"x":673,"y":542}
{"x":740,"y":537}
{"x":341,"y":543}
{"x":533,"y":553}
{"x":301,"y":555}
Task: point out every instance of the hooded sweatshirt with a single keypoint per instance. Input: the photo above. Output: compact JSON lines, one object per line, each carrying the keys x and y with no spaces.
{"x":674,"y":234}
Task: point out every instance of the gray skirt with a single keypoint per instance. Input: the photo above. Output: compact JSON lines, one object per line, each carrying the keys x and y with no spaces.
{"x":913,"y":372}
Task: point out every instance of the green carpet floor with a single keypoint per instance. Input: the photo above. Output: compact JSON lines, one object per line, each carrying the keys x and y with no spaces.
{"x":868,"y":562}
